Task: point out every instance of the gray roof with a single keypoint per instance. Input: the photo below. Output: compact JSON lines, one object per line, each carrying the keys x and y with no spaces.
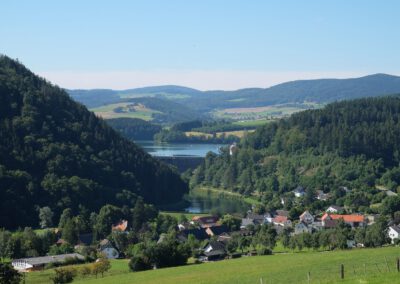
{"x":49,"y":259}
{"x":390,"y":193}
{"x":336,"y":207}
{"x":216,"y":245}
{"x":246,"y":222}
{"x":396,"y":229}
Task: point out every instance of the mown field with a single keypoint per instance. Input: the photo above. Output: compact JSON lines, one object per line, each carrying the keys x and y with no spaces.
{"x":263,"y":113}
{"x":177,"y":215}
{"x":361,"y":266}
{"x":237,"y":133}
{"x":138,"y":111}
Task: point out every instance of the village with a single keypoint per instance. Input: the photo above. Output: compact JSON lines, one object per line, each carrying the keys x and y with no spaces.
{"x":229,"y":236}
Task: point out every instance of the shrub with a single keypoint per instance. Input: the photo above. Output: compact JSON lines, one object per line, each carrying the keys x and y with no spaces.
{"x":264,"y":251}
{"x":64,"y":275}
{"x":137,"y":263}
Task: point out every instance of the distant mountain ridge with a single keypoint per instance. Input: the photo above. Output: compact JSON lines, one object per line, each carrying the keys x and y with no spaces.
{"x":317,"y":90}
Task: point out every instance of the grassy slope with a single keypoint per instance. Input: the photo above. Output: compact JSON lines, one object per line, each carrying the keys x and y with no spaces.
{"x":279,"y":268}
{"x":108,"y":112}
{"x":177,"y":215}
{"x":218,"y":192}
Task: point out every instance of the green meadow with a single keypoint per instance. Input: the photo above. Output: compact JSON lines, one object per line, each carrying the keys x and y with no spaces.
{"x":360,"y":266}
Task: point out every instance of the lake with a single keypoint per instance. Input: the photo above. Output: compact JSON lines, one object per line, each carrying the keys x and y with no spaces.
{"x":178,"y":149}
{"x":205,"y":201}
{"x":214,"y":204}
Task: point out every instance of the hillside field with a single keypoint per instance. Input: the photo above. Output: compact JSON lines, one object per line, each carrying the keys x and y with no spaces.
{"x":361,"y":266}
{"x":128,"y":110}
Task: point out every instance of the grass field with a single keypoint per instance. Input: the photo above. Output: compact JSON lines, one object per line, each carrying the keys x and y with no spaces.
{"x":237,"y":133}
{"x":177,"y":215}
{"x":360,"y":266}
{"x":252,"y":123}
{"x":218,"y":192}
{"x":138,"y":111}
{"x":263,"y":113}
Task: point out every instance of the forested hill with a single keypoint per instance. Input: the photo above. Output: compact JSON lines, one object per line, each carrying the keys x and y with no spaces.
{"x":299,"y":91}
{"x":351,"y":143}
{"x":54,"y":152}
{"x":369,"y":127}
{"x":318,"y":91}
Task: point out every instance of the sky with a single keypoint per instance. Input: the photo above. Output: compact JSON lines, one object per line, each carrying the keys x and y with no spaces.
{"x":207,"y":44}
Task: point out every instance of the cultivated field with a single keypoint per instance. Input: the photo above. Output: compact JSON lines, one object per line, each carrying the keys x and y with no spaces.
{"x":263,"y":113}
{"x":126,"y":110}
{"x":360,"y":266}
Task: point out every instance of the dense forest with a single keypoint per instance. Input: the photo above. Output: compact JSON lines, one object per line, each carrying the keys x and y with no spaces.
{"x":55,"y":153}
{"x":350,"y":144}
{"x":134,"y":128}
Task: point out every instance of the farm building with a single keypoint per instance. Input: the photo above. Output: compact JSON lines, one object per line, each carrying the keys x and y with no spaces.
{"x":37,"y":263}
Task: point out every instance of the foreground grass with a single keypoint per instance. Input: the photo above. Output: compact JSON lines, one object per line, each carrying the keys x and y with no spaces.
{"x":361,"y":266}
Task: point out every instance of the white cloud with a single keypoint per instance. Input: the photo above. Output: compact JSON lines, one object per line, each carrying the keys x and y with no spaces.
{"x":199,"y":79}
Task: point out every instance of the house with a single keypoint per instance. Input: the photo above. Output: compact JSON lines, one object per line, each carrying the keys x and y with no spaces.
{"x":232,"y":148}
{"x":224,"y":238}
{"x":205,"y":221}
{"x":106,"y":247}
{"x":282,"y":221}
{"x":198,"y":233}
{"x":258,"y":218}
{"x":246,"y":222}
{"x":371,"y":218}
{"x":255,"y":219}
{"x":282,"y":213}
{"x":317,"y":225}
{"x":390,"y":193}
{"x":37,"y":263}
{"x":61,"y":242}
{"x":216,"y":230}
{"x":121,"y":226}
{"x":301,"y":228}
{"x":299,"y":191}
{"x":354,"y":220}
{"x":322,"y":196}
{"x":306,"y":217}
{"x":184,"y":226}
{"x":351,"y":243}
{"x":214,"y":250}
{"x":394,"y":233}
{"x":344,"y":189}
{"x":334,"y":209}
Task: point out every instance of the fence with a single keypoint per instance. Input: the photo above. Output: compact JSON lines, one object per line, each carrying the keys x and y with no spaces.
{"x":359,"y":271}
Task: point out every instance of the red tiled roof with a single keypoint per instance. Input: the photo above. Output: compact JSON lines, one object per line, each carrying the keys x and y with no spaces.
{"x":205,"y":219}
{"x":121,"y":226}
{"x":280,"y":219}
{"x":346,"y":218}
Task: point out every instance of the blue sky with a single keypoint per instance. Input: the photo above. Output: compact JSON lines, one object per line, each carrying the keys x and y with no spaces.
{"x":203,"y":44}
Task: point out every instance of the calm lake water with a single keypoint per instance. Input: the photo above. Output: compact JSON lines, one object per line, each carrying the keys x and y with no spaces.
{"x":178,"y":149}
{"x":213,"y":204}
{"x":196,"y":202}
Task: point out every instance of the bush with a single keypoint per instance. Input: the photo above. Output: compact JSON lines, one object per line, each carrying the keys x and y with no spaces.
{"x":85,"y":270}
{"x":8,"y":274}
{"x":64,"y":275}
{"x":137,"y":263}
{"x":264,"y":251}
